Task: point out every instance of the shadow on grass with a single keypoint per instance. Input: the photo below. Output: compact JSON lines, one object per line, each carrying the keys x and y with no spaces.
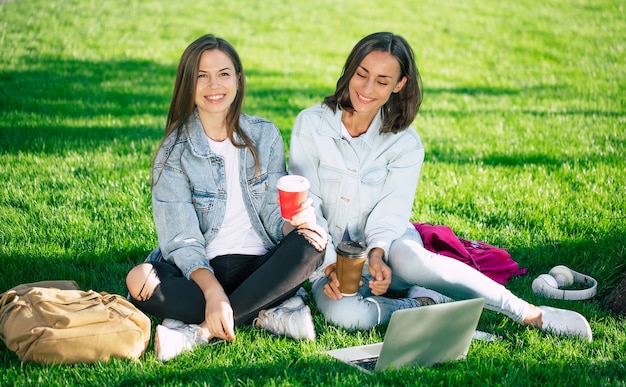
{"x":550,"y":91}
{"x":602,"y":258}
{"x":50,"y":110}
{"x":100,"y":273}
{"x":289,"y":364}
{"x":73,"y":105}
{"x":504,"y":369}
{"x":439,"y":152}
{"x":329,"y":372}
{"x":76,"y":89}
{"x":61,"y":105}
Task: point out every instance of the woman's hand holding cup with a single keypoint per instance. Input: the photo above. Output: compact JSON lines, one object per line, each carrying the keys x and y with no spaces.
{"x":293,"y":198}
{"x":304,"y":215}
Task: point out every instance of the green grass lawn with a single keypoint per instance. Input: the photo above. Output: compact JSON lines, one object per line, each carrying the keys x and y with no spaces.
{"x":523,"y":121}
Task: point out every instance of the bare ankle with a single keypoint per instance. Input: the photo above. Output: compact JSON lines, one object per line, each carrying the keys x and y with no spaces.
{"x":533,"y":317}
{"x":205,"y":332}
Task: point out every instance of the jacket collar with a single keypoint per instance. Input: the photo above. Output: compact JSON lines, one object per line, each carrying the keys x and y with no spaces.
{"x":198,"y":140}
{"x":331,"y":125}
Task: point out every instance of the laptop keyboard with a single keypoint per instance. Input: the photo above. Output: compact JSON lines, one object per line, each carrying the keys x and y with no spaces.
{"x":369,"y":363}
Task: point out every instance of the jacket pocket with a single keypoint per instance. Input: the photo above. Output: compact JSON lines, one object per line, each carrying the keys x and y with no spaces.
{"x":330,"y":184}
{"x":375,"y":176}
{"x":372,"y":183}
{"x":258,"y":185}
{"x":204,"y":204}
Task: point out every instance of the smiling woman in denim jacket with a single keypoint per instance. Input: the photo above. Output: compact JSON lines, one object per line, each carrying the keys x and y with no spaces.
{"x":225,"y":255}
{"x":363,"y":160}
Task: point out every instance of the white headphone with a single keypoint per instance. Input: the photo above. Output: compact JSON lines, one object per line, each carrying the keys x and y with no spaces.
{"x":548,"y":285}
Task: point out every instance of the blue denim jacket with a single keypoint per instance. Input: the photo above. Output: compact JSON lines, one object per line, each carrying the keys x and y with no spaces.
{"x":189,"y":190}
{"x":363,"y":188}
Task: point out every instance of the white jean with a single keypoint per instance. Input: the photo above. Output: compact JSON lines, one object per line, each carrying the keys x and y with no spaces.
{"x":412,"y":264}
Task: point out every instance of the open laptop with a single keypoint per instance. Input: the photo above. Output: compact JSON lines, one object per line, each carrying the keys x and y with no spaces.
{"x":423,"y":336}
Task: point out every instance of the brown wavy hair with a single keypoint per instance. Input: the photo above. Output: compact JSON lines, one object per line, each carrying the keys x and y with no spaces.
{"x":402,"y":107}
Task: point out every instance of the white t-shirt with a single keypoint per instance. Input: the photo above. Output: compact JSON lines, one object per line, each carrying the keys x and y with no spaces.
{"x":236,"y":235}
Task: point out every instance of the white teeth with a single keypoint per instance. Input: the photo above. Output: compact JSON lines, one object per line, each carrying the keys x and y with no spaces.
{"x":364,"y":98}
{"x":215,"y":97}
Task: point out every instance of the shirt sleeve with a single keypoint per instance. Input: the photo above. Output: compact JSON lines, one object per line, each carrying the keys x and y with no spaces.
{"x":176,"y":221}
{"x":391,"y":214}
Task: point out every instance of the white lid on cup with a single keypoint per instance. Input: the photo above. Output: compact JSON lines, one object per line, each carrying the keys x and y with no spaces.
{"x":293,"y":183}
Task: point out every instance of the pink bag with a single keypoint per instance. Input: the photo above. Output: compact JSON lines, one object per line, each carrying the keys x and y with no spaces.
{"x":494,"y":262}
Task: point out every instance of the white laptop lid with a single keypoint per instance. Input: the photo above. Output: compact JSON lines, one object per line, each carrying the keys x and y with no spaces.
{"x":425,"y":336}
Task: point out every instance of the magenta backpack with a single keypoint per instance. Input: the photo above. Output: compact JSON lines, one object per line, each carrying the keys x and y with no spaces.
{"x":494,"y":262}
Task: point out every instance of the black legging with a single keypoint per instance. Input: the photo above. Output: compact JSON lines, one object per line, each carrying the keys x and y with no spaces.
{"x":252,"y":283}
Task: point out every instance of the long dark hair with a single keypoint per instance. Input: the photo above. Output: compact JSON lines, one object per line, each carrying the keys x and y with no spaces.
{"x":402,"y":107}
{"x":183,"y":98}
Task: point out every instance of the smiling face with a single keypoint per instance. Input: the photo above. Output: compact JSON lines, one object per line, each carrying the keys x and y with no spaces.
{"x":216,"y":85}
{"x":377,"y":76}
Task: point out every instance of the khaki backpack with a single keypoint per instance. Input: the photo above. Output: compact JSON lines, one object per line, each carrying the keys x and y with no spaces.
{"x":54,"y":322}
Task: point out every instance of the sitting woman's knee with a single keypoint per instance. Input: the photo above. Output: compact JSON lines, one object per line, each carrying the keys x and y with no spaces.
{"x":141,"y":281}
{"x":349,"y":315}
{"x":315,"y":235}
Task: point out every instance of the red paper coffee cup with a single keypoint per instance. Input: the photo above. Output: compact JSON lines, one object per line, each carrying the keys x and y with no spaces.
{"x":293,"y":190}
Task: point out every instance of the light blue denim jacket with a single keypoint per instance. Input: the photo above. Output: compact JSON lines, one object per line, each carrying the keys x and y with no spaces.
{"x":189,"y":191}
{"x":365,"y":187}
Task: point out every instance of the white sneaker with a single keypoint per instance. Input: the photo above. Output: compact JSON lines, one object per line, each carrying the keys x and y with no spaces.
{"x":174,"y":337}
{"x":421,"y":292}
{"x":294,"y":303}
{"x":485,"y":336}
{"x":292,"y":318}
{"x":565,"y":322}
